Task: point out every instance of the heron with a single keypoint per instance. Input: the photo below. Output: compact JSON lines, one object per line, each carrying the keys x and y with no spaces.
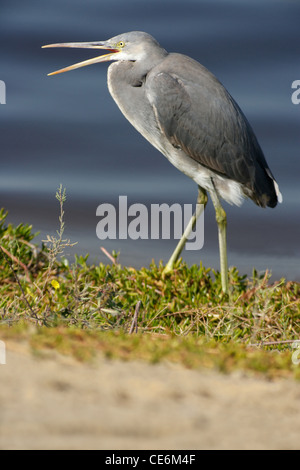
{"x":186,"y":113}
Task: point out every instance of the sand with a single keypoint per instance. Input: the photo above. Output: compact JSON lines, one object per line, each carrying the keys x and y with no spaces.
{"x":53,"y":402}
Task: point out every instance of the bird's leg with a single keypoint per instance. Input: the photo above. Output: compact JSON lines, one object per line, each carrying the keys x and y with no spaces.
{"x":200,"y":206}
{"x":222,"y":224}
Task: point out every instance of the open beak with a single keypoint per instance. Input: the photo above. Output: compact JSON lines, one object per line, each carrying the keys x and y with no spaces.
{"x":86,"y":45}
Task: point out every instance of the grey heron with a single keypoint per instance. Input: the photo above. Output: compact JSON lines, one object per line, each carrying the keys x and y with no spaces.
{"x":184,"y":111}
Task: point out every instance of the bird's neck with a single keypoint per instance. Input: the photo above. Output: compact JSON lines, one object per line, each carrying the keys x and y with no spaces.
{"x":133,"y":73}
{"x":151,"y":60}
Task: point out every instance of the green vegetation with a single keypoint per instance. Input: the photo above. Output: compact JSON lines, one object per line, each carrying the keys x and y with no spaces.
{"x":184,"y":317}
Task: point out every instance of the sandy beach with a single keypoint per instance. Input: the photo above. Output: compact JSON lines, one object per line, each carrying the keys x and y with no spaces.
{"x":51,"y":401}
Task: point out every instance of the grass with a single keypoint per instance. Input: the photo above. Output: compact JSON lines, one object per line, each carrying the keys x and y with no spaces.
{"x":80,"y":309}
{"x":190,"y":351}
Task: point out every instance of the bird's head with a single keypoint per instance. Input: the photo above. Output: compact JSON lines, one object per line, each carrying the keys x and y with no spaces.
{"x":134,"y":46}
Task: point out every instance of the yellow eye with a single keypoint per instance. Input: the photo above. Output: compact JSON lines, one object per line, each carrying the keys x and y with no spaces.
{"x":121,"y":44}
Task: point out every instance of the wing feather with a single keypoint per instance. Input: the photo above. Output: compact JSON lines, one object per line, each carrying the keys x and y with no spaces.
{"x":203,"y":120}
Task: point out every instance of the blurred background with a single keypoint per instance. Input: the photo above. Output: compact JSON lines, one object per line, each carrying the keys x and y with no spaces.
{"x":67,"y":129}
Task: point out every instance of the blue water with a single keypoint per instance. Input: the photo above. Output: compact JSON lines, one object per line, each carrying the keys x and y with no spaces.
{"x":67,"y":129}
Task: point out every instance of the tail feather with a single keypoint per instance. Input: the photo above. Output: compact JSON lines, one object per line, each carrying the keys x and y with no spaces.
{"x":276,"y":187}
{"x":266,"y":190}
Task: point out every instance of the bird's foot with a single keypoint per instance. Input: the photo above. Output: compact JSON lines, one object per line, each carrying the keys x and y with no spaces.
{"x":168,"y":269}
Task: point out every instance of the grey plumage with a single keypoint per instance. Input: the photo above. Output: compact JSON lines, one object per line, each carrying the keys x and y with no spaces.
{"x":192,"y":110}
{"x":185,"y":112}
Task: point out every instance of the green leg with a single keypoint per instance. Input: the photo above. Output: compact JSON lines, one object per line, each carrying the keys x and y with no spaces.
{"x":222,"y":223}
{"x":201,"y":203}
